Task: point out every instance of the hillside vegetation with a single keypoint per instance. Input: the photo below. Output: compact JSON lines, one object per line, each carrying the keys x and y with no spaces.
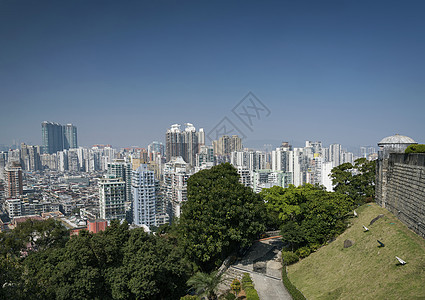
{"x":364,"y":270}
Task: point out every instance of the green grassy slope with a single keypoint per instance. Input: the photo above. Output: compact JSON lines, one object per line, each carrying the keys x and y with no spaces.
{"x":365,"y":271}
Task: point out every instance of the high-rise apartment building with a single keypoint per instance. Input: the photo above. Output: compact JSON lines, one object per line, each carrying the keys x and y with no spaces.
{"x":56,"y":137}
{"x":156,"y":147}
{"x":70,"y":136}
{"x":30,"y":157}
{"x":335,"y":154}
{"x":112,"y":198}
{"x":205,"y":158}
{"x":119,"y":168}
{"x":226,"y":145}
{"x":176,"y":174}
{"x":145,"y":190}
{"x":182,"y":143}
{"x":13,"y":174}
{"x":52,"y":137}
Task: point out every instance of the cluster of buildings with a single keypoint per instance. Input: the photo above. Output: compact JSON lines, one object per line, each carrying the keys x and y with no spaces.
{"x":146,"y":187}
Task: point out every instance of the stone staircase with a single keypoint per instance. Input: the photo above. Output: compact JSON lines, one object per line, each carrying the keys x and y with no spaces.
{"x":229,"y":275}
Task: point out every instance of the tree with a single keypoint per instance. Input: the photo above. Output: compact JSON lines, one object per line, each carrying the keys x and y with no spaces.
{"x":117,"y":263}
{"x":205,"y":284}
{"x":33,"y":235}
{"x":293,"y":234}
{"x":11,"y":284}
{"x":308,"y":214}
{"x":219,"y":216}
{"x":152,"y":268}
{"x":236,"y":286}
{"x":356,"y":181}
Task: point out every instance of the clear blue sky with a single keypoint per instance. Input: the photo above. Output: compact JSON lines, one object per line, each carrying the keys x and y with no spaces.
{"x":349,"y":72}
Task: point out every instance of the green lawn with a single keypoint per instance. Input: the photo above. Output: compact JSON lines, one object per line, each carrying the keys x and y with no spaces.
{"x":365,"y":271}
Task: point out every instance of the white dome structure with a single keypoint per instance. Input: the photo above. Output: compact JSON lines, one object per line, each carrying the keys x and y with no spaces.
{"x":397,"y":139}
{"x":395,"y":144}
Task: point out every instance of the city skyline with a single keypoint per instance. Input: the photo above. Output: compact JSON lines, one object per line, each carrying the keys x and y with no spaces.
{"x":213,"y":144}
{"x":338,"y":72}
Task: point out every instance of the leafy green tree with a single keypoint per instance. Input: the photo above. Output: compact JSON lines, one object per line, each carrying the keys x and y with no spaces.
{"x":117,"y":263}
{"x":33,"y":235}
{"x":11,"y":284}
{"x":72,"y":272}
{"x":236,"y":286}
{"x":356,"y":181}
{"x":308,"y":214}
{"x":152,"y":268}
{"x":293,"y":234}
{"x":219,"y":216}
{"x":205,"y":284}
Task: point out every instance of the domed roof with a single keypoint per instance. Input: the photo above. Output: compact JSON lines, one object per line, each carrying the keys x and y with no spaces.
{"x":397,"y":139}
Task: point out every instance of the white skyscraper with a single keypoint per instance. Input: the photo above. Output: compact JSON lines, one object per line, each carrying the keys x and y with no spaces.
{"x":112,"y":198}
{"x":326,"y":179}
{"x":176,"y":174}
{"x":144,"y":190}
{"x":335,"y":154}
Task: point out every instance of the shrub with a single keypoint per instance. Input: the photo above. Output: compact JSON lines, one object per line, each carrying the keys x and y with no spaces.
{"x":295,"y":293}
{"x":314,"y":247}
{"x":289,"y":258}
{"x":236,"y":286}
{"x":228,"y":296}
{"x":418,"y":148}
{"x":246,"y":279}
{"x":303,"y":252}
{"x":189,"y":297}
{"x":251,"y":294}
{"x":248,"y":287}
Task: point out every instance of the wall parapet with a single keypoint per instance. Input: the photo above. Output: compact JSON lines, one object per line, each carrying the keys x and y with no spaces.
{"x":412,"y":159}
{"x":400,"y":188}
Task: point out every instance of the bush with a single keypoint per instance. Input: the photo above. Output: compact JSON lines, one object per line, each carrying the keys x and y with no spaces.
{"x":251,"y":294}
{"x":228,"y":296}
{"x":303,"y":252}
{"x":417,"y":148}
{"x":248,"y":287}
{"x":189,"y":297}
{"x":314,"y":247}
{"x":289,"y":258}
{"x":295,"y":293}
{"x":246,"y":279}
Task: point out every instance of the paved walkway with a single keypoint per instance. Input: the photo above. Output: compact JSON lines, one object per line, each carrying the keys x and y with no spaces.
{"x":263,"y":264}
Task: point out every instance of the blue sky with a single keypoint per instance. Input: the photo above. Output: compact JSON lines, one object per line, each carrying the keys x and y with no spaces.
{"x":349,"y":72}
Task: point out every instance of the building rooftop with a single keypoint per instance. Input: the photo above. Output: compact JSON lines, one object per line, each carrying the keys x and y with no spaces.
{"x":397,"y":139}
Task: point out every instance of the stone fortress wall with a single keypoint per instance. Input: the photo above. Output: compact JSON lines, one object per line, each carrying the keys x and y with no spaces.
{"x":400,"y":188}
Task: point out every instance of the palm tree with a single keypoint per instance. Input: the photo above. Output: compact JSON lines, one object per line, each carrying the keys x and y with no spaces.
{"x":205,"y":284}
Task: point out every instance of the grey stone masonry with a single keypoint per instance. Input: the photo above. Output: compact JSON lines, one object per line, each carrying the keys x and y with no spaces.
{"x":400,"y":188}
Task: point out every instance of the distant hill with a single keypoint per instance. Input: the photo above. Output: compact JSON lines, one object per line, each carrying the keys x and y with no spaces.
{"x":364,"y":270}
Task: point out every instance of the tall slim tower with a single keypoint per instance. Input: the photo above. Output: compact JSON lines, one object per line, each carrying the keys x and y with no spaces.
{"x":182,"y":143}
{"x":13,"y":180}
{"x":190,"y":144}
{"x":112,"y":198}
{"x":173,"y":142}
{"x":52,"y":136}
{"x":122,"y":169}
{"x":70,"y":136}
{"x":144,"y":188}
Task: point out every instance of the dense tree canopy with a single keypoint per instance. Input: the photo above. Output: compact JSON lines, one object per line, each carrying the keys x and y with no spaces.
{"x":308,"y":214}
{"x":357,"y":181}
{"x":219,"y":216}
{"x":115,"y":264}
{"x":32,"y":236}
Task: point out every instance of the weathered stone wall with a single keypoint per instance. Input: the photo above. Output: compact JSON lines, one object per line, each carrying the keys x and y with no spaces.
{"x":400,"y":188}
